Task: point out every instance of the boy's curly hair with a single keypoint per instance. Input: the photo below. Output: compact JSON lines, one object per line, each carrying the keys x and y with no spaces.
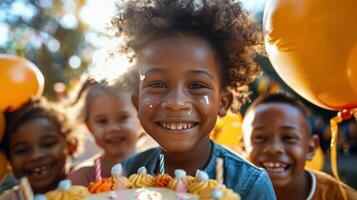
{"x":37,"y":108}
{"x":223,"y":23}
{"x":281,"y":98}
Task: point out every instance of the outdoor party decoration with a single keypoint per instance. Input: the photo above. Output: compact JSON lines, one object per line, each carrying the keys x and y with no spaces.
{"x":20,"y":80}
{"x":228,"y":131}
{"x":312,"y":45}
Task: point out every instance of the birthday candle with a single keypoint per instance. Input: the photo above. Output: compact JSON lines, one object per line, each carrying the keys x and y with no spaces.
{"x":98,"y":171}
{"x":162,"y":165}
{"x":219,"y":170}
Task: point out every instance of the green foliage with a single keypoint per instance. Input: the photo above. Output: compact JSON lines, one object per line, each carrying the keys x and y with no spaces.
{"x":49,"y":33}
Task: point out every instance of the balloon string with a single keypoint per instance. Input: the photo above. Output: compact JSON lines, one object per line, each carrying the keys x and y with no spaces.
{"x":334,"y":137}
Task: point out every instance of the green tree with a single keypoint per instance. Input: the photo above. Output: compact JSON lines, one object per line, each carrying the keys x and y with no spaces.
{"x":50,"y":34}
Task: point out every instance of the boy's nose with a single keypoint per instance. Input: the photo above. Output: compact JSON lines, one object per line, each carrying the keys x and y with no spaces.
{"x":275,"y":146}
{"x":176,"y":100}
{"x":37,"y":153}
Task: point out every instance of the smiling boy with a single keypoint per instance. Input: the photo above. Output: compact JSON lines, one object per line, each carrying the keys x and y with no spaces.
{"x":277,"y":137}
{"x":190,"y":59}
{"x":38,"y":142}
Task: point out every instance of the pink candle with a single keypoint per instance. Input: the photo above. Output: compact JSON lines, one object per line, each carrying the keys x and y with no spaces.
{"x":98,"y":170}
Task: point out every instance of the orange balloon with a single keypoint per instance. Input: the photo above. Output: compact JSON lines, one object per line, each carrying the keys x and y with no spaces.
{"x":19,"y":81}
{"x":2,"y":125}
{"x":313,"y":47}
{"x":3,"y":165}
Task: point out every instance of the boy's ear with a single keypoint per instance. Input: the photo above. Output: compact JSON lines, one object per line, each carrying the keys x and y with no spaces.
{"x":226,"y":102}
{"x":241,"y":142}
{"x":242,"y":148}
{"x":72,"y":146}
{"x":313,"y":144}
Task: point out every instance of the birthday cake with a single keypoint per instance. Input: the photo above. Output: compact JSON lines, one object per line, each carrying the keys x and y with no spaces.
{"x":143,"y":194}
{"x":143,"y":186}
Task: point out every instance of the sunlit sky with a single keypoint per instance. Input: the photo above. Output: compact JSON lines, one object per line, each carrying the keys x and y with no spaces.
{"x":104,"y":10}
{"x":96,"y":14}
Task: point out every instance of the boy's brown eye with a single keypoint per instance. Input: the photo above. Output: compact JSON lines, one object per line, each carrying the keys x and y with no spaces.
{"x":197,"y":85}
{"x":290,"y":138}
{"x":259,"y":139}
{"x":157,"y":84}
{"x":20,"y":150}
{"x":49,"y":143}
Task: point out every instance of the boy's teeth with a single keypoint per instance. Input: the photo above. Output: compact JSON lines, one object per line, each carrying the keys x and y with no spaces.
{"x":275,"y":169}
{"x":176,"y":126}
{"x":275,"y":166}
{"x":40,"y":170}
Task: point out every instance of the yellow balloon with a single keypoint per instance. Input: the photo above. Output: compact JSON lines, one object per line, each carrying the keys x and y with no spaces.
{"x":19,"y":81}
{"x":313,"y":47}
{"x":3,"y":165}
{"x":317,"y":162}
{"x":228,"y":131}
{"x":2,"y":125}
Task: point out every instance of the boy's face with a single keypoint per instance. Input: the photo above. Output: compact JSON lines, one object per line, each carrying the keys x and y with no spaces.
{"x":112,"y":119}
{"x":180,"y":95}
{"x":276,"y":138}
{"x":39,"y":152}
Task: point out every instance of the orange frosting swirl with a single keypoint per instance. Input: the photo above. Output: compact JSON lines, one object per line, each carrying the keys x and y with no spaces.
{"x":103,"y":185}
{"x":162,"y":180}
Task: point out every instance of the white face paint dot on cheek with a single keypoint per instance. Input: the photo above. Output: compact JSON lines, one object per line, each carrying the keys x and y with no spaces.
{"x":142,"y":77}
{"x":148,"y":104}
{"x":206,"y":100}
{"x":189,"y":112}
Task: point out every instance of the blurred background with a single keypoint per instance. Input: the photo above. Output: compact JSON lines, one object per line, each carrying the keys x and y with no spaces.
{"x":66,"y":38}
{"x":60,"y":36}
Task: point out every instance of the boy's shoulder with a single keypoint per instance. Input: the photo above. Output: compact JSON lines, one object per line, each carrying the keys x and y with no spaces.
{"x":240,"y":175}
{"x":327,"y":187}
{"x":233,"y":158}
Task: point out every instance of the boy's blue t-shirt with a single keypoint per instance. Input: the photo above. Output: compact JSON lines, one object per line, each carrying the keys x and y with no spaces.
{"x":249,"y":181}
